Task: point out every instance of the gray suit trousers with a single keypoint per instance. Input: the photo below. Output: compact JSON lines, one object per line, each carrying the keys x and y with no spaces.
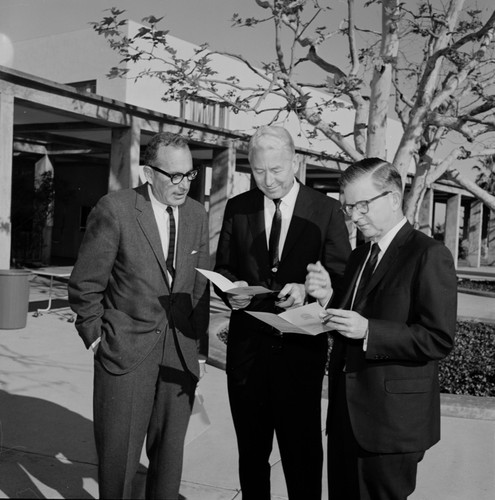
{"x":154,"y":401}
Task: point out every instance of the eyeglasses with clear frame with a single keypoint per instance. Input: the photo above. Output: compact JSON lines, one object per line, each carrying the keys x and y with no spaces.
{"x":362,"y":206}
{"x":177,"y":178}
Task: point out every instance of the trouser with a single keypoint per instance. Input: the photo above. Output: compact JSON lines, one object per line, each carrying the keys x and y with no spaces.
{"x":281,"y":398}
{"x":355,"y":474}
{"x":154,"y":401}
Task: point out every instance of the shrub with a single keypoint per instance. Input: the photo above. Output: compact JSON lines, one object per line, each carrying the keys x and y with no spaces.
{"x":480,"y":285}
{"x":470,"y":367}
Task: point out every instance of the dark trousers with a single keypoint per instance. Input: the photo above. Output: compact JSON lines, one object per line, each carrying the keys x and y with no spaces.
{"x":153,"y":401}
{"x":280,"y":397}
{"x":355,"y":474}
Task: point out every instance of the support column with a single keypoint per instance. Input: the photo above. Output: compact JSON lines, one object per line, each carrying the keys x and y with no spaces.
{"x":124,"y":157}
{"x":426,"y":213}
{"x":451,"y":238}
{"x":474,"y":239}
{"x":42,"y":232}
{"x":223,"y":169}
{"x":490,"y":255}
{"x":6,"y":140}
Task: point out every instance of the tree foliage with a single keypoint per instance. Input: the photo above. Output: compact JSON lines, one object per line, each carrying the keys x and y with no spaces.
{"x":431,"y":67}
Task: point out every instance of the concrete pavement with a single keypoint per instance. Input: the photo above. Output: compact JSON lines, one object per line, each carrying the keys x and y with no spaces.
{"x":46,"y":438}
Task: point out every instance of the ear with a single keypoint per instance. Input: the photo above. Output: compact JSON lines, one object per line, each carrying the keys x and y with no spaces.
{"x":396,"y":201}
{"x":148,"y":174}
{"x":295,"y":164}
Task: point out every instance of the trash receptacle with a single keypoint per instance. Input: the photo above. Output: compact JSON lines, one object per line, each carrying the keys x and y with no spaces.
{"x":14,"y":298}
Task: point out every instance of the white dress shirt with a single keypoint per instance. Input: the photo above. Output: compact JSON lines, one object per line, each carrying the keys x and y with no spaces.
{"x":161,"y":216}
{"x":287,"y":205}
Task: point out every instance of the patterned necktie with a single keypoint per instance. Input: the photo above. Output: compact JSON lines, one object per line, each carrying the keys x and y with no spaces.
{"x":171,"y":242}
{"x":366,"y":276}
{"x":273,"y":242}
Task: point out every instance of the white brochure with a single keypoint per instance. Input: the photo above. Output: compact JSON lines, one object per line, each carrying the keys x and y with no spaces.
{"x":304,"y":320}
{"x":228,"y":287}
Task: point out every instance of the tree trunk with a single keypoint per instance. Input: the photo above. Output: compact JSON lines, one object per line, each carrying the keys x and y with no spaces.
{"x":382,"y":82}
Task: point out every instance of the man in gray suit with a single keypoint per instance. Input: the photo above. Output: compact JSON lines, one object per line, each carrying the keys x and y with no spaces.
{"x":143,"y":309}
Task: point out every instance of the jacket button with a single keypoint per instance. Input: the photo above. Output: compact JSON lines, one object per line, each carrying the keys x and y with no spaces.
{"x":158,"y":331}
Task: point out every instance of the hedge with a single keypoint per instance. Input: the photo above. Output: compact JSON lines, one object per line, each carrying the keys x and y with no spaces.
{"x":479,"y":285}
{"x":470,"y":367}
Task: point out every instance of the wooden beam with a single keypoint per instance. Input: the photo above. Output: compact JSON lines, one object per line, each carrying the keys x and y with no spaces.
{"x":124,"y":158}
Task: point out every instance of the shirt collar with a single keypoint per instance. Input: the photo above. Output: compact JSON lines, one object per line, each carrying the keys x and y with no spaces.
{"x":158,"y":204}
{"x":290,"y":198}
{"x":385,"y":241}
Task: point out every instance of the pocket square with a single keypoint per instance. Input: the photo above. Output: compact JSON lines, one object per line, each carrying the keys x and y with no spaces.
{"x":193,"y":252}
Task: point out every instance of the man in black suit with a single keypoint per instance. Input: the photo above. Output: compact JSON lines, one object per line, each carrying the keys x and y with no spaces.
{"x":269,"y":235}
{"x":394,"y":321}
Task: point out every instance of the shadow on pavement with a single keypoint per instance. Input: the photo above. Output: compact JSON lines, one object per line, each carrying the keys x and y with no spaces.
{"x":44,"y":448}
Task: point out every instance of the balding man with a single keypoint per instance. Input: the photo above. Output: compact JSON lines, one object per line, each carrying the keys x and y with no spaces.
{"x":269,"y":235}
{"x":394,"y":321}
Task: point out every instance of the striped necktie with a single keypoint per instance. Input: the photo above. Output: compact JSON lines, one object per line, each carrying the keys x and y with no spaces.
{"x":171,"y":242}
{"x":365,"y":277}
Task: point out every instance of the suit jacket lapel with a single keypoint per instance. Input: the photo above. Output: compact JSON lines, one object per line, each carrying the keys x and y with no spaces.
{"x":389,"y":257}
{"x":354,"y":270}
{"x":185,"y":237}
{"x":147,"y":222}
{"x":256,"y":221}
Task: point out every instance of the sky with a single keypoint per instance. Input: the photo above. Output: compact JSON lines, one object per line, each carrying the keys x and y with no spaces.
{"x":196,"y":21}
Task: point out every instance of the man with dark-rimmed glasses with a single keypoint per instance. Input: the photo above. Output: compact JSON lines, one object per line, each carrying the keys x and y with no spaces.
{"x":143,"y":309}
{"x":394,"y":320}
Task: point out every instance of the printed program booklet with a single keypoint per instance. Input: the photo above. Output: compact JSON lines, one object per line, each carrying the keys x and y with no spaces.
{"x":228,"y":287}
{"x":304,"y":320}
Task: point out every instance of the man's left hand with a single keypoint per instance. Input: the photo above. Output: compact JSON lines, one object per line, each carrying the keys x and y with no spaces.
{"x":292,"y":295}
{"x":350,"y":324}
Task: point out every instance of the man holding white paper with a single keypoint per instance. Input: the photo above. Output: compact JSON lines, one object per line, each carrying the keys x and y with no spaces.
{"x":269,"y":235}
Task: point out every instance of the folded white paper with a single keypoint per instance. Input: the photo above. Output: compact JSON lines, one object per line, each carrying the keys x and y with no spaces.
{"x":304,"y":320}
{"x":228,"y":287}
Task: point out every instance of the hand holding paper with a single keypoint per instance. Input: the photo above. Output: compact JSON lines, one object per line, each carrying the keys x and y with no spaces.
{"x":305,"y":320}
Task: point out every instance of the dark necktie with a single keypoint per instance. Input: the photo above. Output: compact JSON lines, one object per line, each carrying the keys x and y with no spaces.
{"x":273,"y":242}
{"x":171,"y":242}
{"x":366,"y":276}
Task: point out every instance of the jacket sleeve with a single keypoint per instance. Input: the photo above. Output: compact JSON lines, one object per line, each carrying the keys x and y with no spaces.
{"x":337,"y":248}
{"x":227,"y":256}
{"x":201,"y":293}
{"x":428,"y":332}
{"x":92,"y":271}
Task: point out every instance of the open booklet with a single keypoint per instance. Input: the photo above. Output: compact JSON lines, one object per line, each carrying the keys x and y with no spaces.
{"x":305,"y":319}
{"x":228,"y":287}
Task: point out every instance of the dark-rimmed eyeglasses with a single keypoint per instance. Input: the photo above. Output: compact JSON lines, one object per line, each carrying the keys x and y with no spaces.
{"x":361,"y":206}
{"x":177,"y":178}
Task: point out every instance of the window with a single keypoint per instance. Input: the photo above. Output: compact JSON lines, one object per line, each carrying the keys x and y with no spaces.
{"x":206,"y":111}
{"x":86,"y":86}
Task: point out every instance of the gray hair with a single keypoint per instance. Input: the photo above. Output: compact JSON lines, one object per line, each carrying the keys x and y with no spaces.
{"x":279,"y":133}
{"x":163,"y":139}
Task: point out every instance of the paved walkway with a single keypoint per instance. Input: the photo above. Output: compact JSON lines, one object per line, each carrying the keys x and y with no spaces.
{"x":46,"y":439}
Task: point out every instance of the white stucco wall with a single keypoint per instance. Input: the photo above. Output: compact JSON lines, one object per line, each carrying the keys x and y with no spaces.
{"x":83,"y":55}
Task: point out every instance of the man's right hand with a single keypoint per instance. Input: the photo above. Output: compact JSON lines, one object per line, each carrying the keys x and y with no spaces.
{"x":239,"y":301}
{"x":318,"y":283}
